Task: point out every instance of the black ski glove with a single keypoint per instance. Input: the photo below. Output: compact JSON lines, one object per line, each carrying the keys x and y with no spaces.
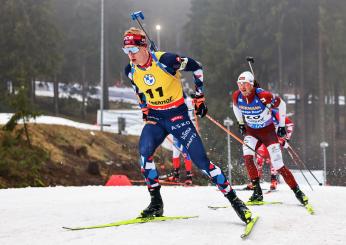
{"x":200,"y":106}
{"x":281,"y":132}
{"x":242,"y":129}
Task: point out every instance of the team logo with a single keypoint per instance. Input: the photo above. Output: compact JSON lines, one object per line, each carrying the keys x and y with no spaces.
{"x":176,"y":118}
{"x":149,"y":79}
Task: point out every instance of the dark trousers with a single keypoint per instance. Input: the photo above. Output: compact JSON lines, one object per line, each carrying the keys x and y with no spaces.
{"x":176,"y":122}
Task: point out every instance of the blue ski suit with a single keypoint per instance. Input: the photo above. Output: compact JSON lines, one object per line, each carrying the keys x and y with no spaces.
{"x":159,"y":89}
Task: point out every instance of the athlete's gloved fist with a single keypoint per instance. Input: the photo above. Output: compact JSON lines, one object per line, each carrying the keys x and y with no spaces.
{"x":281,"y":132}
{"x":242,"y":128}
{"x":200,"y":106}
{"x":284,"y":142}
{"x":145,"y":111}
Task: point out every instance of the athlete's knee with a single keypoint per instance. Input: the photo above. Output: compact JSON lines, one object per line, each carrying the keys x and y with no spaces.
{"x":275,"y":156}
{"x":248,"y":158}
{"x":248,"y":151}
{"x":146,"y":148}
{"x":249,"y":142}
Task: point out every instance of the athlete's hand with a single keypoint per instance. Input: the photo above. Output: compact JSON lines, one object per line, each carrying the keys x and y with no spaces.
{"x":281,"y":132}
{"x":200,"y":106}
{"x":242,"y":128}
{"x":284,"y":142}
{"x":145,"y":111}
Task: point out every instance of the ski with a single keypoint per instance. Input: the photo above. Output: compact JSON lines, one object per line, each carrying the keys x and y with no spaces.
{"x":249,"y":227}
{"x":218,"y":207}
{"x":309,"y":208}
{"x":270,"y":191}
{"x":130,"y":222}
{"x":246,"y":189}
{"x":247,"y":203}
{"x":253,"y":203}
{"x":171,"y":183}
{"x":165,"y":176}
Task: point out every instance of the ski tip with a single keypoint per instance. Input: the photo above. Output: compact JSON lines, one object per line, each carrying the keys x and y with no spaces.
{"x":69,"y":228}
{"x":74,"y":228}
{"x":249,"y":227}
{"x":310,"y":209}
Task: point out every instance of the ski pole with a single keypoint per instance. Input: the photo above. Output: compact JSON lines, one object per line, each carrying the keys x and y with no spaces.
{"x":250,"y":60}
{"x":196,"y":120}
{"x":233,"y":135}
{"x":171,"y":141}
{"x":301,"y":161}
{"x":137,"y":16}
{"x":300,"y":169}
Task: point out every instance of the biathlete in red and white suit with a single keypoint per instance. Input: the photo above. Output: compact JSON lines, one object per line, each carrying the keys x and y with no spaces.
{"x":263,"y":154}
{"x":252,"y":108}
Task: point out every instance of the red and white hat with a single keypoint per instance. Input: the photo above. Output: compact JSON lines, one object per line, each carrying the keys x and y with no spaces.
{"x":135,"y":39}
{"x":246,"y":76}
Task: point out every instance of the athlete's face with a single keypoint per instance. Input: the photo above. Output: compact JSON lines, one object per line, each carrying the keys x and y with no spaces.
{"x":137,"y":54}
{"x":245,"y":88}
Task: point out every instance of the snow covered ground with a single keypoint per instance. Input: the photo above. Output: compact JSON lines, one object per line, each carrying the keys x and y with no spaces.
{"x":46,"y":89}
{"x":5,"y":117}
{"x":36,"y":215}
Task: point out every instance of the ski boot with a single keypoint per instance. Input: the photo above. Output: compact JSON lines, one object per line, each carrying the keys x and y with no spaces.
{"x":155,"y":208}
{"x":239,"y":207}
{"x":175,"y":175}
{"x":188,"y":180}
{"x":300,"y":196}
{"x":274,"y":182}
{"x":257,"y":194}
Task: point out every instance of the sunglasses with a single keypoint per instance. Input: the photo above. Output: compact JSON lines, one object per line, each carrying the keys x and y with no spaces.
{"x":244,"y":82}
{"x":133,"y":50}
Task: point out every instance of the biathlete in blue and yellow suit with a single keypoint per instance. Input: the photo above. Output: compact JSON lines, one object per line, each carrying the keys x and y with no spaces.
{"x":155,"y":77}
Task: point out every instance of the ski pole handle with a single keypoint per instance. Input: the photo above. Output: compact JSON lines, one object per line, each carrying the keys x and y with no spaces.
{"x":250,"y":61}
{"x":136,"y":15}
